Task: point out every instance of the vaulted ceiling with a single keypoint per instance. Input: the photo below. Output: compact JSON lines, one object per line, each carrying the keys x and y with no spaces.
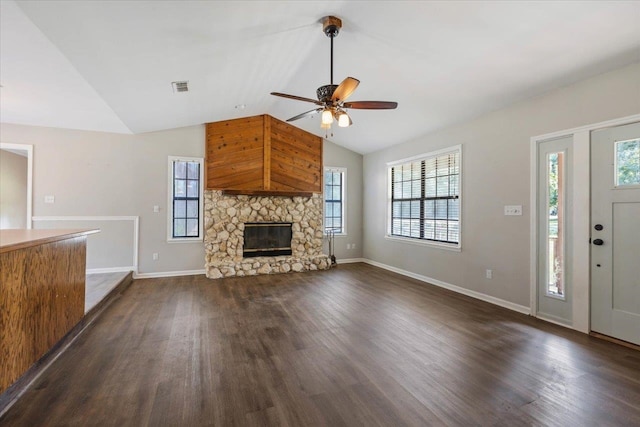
{"x":108,"y":65}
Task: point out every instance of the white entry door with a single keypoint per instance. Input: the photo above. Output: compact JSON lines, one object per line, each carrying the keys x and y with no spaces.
{"x":615,"y":232}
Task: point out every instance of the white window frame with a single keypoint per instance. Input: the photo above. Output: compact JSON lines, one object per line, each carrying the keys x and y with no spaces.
{"x":423,"y":242}
{"x":170,"y":237}
{"x":343,"y":171}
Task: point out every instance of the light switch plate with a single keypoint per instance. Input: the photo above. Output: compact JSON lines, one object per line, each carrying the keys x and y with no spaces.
{"x":513,"y":210}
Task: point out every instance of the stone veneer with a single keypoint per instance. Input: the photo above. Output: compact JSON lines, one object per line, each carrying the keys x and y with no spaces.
{"x":224,"y":220}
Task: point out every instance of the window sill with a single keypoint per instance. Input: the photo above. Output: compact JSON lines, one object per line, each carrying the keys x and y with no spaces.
{"x":416,"y":242}
{"x":186,"y":240}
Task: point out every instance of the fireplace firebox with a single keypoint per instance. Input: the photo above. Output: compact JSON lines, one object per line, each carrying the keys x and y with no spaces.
{"x":267,"y":239}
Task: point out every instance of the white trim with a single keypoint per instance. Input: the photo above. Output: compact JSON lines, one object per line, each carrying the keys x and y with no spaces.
{"x":170,"y":238}
{"x":477,"y":295}
{"x":588,"y":128}
{"x":350,"y":260}
{"x":29,"y":149}
{"x":168,"y":274}
{"x":84,"y":218}
{"x":136,"y":231}
{"x":111,"y":270}
{"x":423,"y":156}
{"x":429,"y":243}
{"x":581,"y":223}
{"x":457,"y":247}
{"x":533,"y":225}
{"x":555,"y":320}
{"x":581,"y":260}
{"x":343,"y":171}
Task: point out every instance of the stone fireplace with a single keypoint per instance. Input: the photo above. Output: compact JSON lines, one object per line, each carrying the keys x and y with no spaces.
{"x":227,"y":218}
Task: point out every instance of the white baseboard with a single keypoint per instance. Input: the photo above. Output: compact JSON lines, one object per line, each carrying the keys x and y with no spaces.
{"x":555,"y":321}
{"x":477,"y":295}
{"x":349,"y":260}
{"x":111,"y":270}
{"x":167,"y":274}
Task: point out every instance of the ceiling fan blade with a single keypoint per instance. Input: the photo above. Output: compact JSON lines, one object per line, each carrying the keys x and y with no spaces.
{"x":371,"y":105}
{"x":308,"y":113}
{"x":345,"y":89}
{"x":297,"y":98}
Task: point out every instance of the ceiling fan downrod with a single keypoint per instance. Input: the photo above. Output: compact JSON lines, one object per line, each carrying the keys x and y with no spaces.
{"x":331,"y":26}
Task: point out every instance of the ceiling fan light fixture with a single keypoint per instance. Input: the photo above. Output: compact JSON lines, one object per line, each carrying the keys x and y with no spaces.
{"x":327,"y":117}
{"x":343,"y":119}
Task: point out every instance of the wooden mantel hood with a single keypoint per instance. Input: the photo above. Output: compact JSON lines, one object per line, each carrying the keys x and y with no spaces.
{"x":262,"y":155}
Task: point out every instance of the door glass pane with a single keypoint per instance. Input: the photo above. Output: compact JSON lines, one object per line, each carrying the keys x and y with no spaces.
{"x":628,"y":162}
{"x":555,"y":224}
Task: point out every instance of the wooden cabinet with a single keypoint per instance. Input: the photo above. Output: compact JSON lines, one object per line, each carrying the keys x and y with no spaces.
{"x":262,"y":155}
{"x":42,"y":279}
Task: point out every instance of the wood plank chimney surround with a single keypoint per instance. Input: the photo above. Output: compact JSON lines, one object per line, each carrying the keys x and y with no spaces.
{"x":262,"y":155}
{"x":262,"y":170}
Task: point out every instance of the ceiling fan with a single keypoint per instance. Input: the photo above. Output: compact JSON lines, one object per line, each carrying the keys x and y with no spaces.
{"x":332,"y":99}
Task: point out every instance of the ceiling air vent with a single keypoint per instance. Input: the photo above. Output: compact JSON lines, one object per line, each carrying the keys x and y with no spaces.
{"x":180,"y":86}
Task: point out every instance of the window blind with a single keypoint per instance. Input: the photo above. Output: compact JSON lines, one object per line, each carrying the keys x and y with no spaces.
{"x":425,"y":198}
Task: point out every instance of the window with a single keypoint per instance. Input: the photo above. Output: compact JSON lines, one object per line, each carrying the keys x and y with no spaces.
{"x":628,"y":162}
{"x":185,"y":199}
{"x":555,"y":194}
{"x":425,"y":197}
{"x":334,"y":201}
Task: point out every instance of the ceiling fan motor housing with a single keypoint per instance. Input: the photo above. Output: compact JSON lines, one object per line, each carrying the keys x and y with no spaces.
{"x":325,"y":92}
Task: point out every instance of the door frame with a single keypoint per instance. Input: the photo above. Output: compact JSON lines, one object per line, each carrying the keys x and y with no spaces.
{"x":29,"y":149}
{"x":579,"y":222}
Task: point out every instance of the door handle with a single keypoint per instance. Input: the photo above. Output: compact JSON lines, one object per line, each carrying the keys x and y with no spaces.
{"x":598,"y":242}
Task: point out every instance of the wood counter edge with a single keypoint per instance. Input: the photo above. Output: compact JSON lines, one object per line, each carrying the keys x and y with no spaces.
{"x":23,"y":238}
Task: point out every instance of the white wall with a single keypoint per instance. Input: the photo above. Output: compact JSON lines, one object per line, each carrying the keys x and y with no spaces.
{"x":13,"y":190}
{"x":495,"y":173}
{"x":107,"y":174}
{"x":337,"y":156}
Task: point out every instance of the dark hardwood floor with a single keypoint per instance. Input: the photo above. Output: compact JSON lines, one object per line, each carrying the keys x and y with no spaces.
{"x":353,"y":346}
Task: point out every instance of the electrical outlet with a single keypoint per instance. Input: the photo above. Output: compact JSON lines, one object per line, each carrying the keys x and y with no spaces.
{"x":156,"y":208}
{"x":489,"y":274}
{"x":513,"y":210}
{"x":155,"y":256}
{"x":49,"y":199}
